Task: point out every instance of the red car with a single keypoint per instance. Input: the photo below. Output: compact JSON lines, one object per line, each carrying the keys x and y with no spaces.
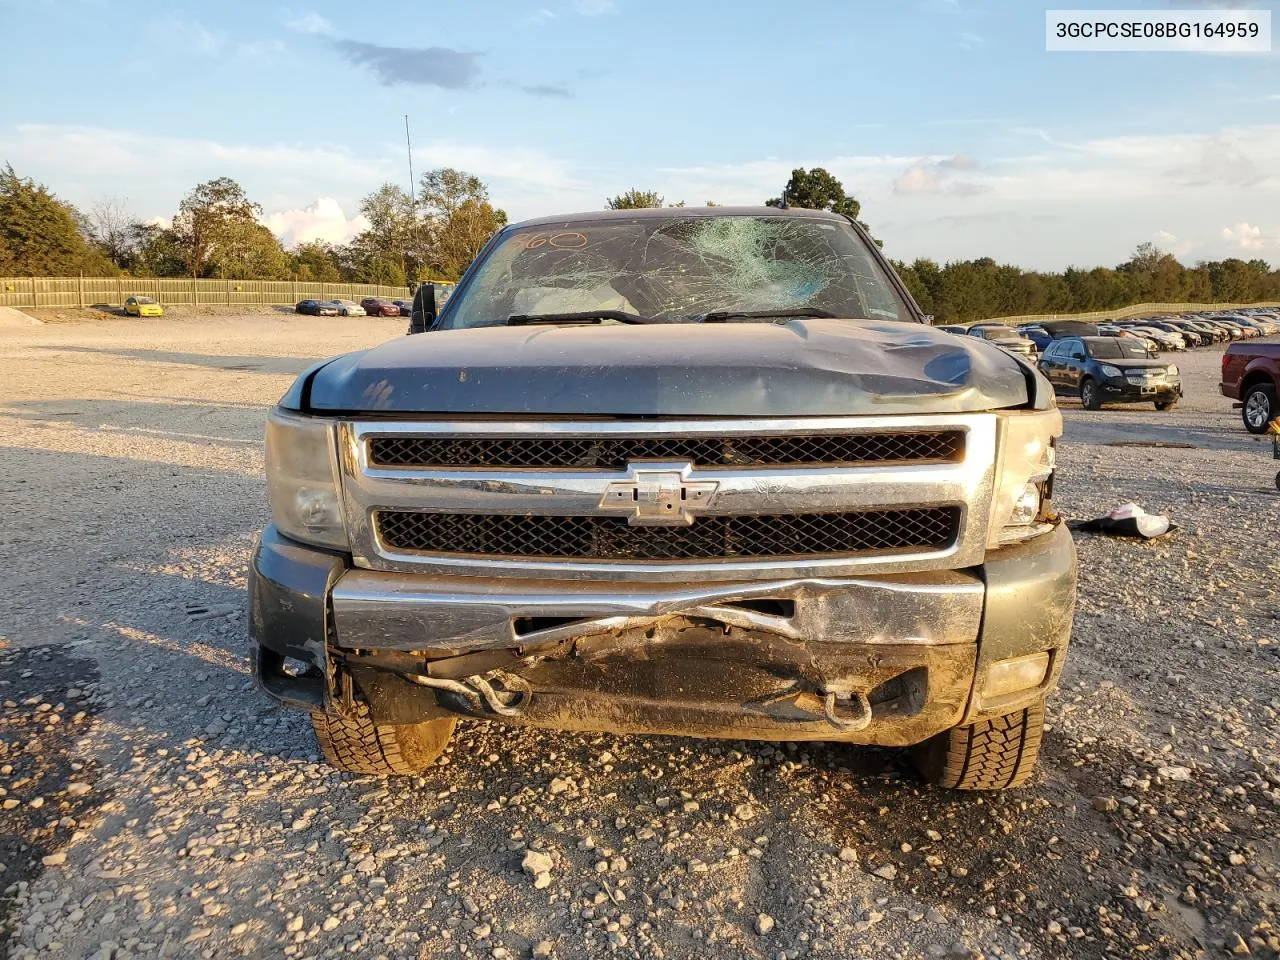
{"x":1251,"y":374}
{"x":377,"y":307}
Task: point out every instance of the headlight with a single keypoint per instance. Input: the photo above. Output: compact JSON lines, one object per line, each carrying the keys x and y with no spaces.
{"x":301,"y":486}
{"x":1173,"y":370}
{"x":1026,"y":458}
{"x":1109,"y":371}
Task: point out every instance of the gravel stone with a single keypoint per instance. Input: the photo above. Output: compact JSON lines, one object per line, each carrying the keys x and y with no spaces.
{"x":200,"y":818}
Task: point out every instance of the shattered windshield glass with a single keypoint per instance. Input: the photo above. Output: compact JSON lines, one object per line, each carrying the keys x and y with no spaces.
{"x":680,"y":269}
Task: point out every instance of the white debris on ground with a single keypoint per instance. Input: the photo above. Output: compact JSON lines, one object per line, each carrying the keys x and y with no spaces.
{"x":156,"y":804}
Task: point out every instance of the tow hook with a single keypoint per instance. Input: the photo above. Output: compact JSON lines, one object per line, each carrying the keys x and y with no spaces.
{"x":509,"y":701}
{"x":845,"y":709}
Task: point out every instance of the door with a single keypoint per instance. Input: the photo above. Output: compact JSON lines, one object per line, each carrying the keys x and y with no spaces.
{"x":1051,"y":364}
{"x":1073,"y":367}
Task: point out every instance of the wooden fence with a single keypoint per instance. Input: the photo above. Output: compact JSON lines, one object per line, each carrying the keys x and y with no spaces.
{"x":112,"y":291}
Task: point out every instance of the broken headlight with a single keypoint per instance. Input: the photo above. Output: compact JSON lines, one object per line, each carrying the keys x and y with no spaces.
{"x":301,"y":484}
{"x":1025,"y":460}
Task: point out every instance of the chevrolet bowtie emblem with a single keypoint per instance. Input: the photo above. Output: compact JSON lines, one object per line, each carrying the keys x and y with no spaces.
{"x":659,"y":495}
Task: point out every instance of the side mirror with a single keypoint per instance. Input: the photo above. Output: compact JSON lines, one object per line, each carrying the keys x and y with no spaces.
{"x":428,"y":301}
{"x":424,"y":308}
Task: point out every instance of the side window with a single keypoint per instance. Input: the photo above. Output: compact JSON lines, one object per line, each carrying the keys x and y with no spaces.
{"x":1051,"y":350}
{"x":1077,"y":351}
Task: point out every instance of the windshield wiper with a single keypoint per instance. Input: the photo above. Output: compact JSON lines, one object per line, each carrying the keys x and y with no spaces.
{"x":586,"y":316}
{"x":721,"y":316}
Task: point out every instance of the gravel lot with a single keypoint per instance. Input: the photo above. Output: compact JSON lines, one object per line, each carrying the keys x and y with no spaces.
{"x":155,"y":804}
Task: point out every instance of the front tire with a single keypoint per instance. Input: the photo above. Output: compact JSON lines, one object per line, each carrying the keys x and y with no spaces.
{"x":1163,"y":405}
{"x":1090,"y":398}
{"x":358,"y":745}
{"x":993,"y":754}
{"x":1259,"y":407}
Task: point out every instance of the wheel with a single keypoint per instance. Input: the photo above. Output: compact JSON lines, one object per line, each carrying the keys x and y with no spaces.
{"x":989,"y":755}
{"x":1163,"y":405}
{"x":1259,"y":407}
{"x":358,"y":745}
{"x":1089,"y":396}
{"x":1278,"y":481}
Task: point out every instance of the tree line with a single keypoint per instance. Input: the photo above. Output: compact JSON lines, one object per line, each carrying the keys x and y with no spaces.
{"x":217,"y":233}
{"x":435,"y":234}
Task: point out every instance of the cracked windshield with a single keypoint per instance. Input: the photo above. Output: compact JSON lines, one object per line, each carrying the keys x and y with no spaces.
{"x":678,"y":269}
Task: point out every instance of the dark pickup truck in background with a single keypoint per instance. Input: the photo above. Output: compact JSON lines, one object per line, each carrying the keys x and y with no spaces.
{"x":1251,"y":374}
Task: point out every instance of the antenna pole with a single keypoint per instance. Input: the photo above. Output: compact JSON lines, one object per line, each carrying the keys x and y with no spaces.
{"x":413,"y":193}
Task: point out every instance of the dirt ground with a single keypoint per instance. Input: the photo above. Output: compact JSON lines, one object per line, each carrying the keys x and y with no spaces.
{"x":171,"y":810}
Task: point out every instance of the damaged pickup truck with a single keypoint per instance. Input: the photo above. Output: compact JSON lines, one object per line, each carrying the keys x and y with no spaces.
{"x":698,"y":472}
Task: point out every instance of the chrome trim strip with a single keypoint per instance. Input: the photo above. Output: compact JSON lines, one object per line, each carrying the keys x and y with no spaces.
{"x":741,"y":490}
{"x":388,"y":611}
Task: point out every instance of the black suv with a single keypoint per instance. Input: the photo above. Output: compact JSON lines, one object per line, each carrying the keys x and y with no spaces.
{"x":1110,"y":370}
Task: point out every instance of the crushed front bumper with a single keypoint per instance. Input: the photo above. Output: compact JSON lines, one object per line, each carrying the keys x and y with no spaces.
{"x":887,"y":660}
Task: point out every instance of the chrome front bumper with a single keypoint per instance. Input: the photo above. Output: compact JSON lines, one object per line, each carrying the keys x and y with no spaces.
{"x":749,"y":660}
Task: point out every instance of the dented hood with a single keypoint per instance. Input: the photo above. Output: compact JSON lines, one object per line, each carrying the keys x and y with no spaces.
{"x":800,"y":368}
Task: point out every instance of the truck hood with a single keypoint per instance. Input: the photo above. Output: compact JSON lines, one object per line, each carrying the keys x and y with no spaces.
{"x":801,"y":368}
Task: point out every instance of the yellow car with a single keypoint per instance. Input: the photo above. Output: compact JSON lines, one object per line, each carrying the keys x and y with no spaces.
{"x":143,"y":307}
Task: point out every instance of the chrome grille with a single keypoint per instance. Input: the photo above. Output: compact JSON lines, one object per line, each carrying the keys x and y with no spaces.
{"x":709,"y":538}
{"x":945,"y":446}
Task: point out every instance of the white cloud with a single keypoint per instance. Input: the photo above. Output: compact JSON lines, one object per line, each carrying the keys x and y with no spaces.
{"x":971,"y":41}
{"x":309,"y":22}
{"x":939,"y":175}
{"x":84,"y":164}
{"x":1042,"y":202}
{"x":322,"y":220}
{"x":1247,"y":237}
{"x":1172,"y":243}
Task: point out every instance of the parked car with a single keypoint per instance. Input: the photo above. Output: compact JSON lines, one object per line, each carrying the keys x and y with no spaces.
{"x":143,"y":307}
{"x":1038,"y":335}
{"x":1006,"y":338}
{"x":1268,"y":323}
{"x":377,"y":307}
{"x":1215,"y":333}
{"x":1195,"y":337}
{"x":405,"y":306}
{"x":348,"y":309}
{"x":1251,"y":375}
{"x":1110,"y":370}
{"x":1261,"y":324}
{"x":1232,"y":329}
{"x":1148,"y":344}
{"x":955,"y":329}
{"x":576,"y":582}
{"x":317,"y":308}
{"x":1165,"y":339}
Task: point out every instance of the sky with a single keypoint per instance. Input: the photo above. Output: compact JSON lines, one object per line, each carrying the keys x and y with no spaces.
{"x":960,"y":135}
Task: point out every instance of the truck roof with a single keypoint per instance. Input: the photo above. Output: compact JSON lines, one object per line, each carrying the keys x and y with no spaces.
{"x":658,"y":213}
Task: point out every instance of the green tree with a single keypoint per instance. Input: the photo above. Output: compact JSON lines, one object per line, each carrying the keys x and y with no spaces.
{"x":217,"y":231}
{"x":315,"y":260}
{"x":249,"y":251}
{"x":817,"y":189}
{"x":395,"y":234}
{"x":459,"y":219}
{"x":634,"y":200}
{"x":40,"y":236}
{"x":158,"y":252}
